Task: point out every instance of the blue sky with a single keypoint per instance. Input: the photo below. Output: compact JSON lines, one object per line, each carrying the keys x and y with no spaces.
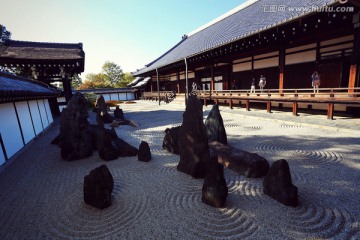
{"x":130,"y":33}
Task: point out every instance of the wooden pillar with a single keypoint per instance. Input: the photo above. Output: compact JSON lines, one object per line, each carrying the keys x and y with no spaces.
{"x":205,"y":104}
{"x":281,"y":69}
{"x":158,"y":84}
{"x":354,"y":67}
{"x":67,"y":89}
{"x":230,"y":103}
{"x":212,"y":85}
{"x":330,"y":111}
{"x":268,"y":106}
{"x":178,"y":82}
{"x":247,"y":105}
{"x":295,"y":108}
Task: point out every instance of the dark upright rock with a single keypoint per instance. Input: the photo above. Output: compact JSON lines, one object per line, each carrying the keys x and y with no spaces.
{"x":104,"y":141}
{"x":75,"y":137}
{"x":246,"y":163}
{"x":124,"y":149}
{"x":193,"y":142}
{"x":98,"y":186}
{"x":214,"y":190}
{"x":144,"y":152}
{"x":215,"y":126}
{"x":170,"y":142}
{"x":101,"y":105}
{"x":118,"y":113}
{"x":278,"y":185}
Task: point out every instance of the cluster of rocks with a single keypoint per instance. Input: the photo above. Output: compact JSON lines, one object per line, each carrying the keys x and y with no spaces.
{"x":204,"y":152}
{"x":78,"y":139}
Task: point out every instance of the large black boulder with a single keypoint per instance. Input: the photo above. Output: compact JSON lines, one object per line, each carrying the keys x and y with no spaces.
{"x":214,"y":190}
{"x":243,"y":162}
{"x":171,"y":142}
{"x":215,"y":126}
{"x":75,"y":136}
{"x":278,"y":185}
{"x":193,"y":142}
{"x":98,"y":186}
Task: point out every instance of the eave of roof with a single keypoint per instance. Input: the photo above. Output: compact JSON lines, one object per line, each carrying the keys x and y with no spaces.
{"x":12,"y":49}
{"x":15,"y":88}
{"x":246,"y":20}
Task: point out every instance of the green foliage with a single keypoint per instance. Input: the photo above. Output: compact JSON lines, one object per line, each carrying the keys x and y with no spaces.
{"x":4,"y":34}
{"x":111,"y":76}
{"x":91,"y":99}
{"x":113,"y":72}
{"x":76,"y":81}
{"x":93,"y":81}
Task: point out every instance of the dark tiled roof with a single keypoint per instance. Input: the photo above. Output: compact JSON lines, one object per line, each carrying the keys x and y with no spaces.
{"x":41,"y":51}
{"x":15,"y":88}
{"x":252,"y":19}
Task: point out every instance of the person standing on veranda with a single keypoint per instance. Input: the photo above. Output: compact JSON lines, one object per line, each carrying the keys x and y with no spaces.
{"x":262,"y":82}
{"x":252,"y":89}
{"x":315,"y":81}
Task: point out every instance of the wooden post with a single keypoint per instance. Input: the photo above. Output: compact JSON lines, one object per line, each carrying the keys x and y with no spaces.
{"x":212,"y":84}
{"x":205,"y":104}
{"x":217,"y":101}
{"x":330,"y":111}
{"x":178,"y":82}
{"x":354,"y":68}
{"x":268,"y":106}
{"x":67,"y":89}
{"x":247,"y":105}
{"x":281,"y":69}
{"x":295,"y":108}
{"x":230,"y":104}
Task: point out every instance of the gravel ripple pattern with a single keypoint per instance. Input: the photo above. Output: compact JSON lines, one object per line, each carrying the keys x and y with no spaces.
{"x":41,"y":195}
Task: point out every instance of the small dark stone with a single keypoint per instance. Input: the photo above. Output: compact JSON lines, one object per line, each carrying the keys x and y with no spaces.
{"x":214,"y":190}
{"x":246,"y":163}
{"x":215,"y":126}
{"x":170,"y":142}
{"x":278,"y":185}
{"x":193,"y":142}
{"x":98,"y":186}
{"x":144,"y":152}
{"x":118,"y":113}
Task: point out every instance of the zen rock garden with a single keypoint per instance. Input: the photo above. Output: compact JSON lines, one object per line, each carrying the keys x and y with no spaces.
{"x":202,"y":148}
{"x":204,"y":153}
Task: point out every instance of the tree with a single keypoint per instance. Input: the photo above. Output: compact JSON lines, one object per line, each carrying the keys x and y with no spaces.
{"x":113,"y":72}
{"x":93,"y":80}
{"x":4,"y":34}
{"x":127,"y":78}
{"x":76,"y":81}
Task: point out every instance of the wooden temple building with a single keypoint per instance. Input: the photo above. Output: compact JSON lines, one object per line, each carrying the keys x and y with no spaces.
{"x":29,"y":105}
{"x":283,"y":40}
{"x":45,"y":62}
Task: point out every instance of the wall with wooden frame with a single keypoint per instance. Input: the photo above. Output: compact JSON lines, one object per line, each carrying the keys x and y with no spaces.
{"x":20,"y":122}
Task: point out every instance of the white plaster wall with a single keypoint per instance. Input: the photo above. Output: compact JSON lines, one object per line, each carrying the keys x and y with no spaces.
{"x":106,"y":97}
{"x":25,"y":121}
{"x":242,"y":67}
{"x":2,"y":156}
{"x":35,"y":114}
{"x":43,"y":113}
{"x":114,"y":96}
{"x":48,"y":111}
{"x":265,"y":63}
{"x":9,"y":129}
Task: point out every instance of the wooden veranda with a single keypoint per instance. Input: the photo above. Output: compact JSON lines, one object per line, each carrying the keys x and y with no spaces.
{"x":327,"y":98}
